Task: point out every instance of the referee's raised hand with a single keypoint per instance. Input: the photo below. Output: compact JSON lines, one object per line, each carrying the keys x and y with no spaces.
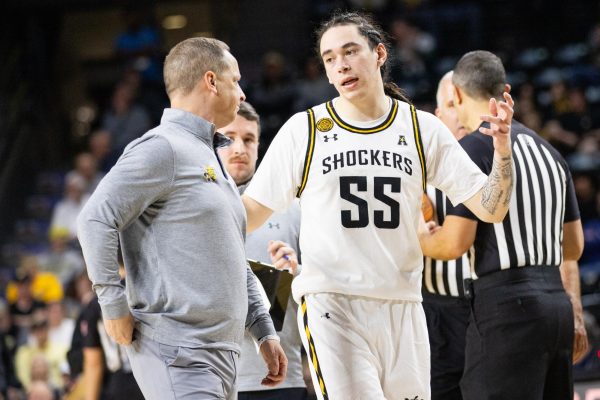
{"x":500,"y":118}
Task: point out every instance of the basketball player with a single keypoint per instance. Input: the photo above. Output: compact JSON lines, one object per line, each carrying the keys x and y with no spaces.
{"x":359,"y":164}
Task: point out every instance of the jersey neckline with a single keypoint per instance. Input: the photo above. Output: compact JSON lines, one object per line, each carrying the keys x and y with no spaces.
{"x":352,"y":128}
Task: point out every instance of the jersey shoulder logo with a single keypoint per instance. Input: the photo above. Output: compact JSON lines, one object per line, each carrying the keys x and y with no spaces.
{"x":325,"y":124}
{"x":209,"y":174}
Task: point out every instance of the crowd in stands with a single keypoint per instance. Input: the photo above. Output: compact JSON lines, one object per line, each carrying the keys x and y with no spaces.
{"x":44,"y":282}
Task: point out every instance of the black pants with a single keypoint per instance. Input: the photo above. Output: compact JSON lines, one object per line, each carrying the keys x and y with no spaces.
{"x":276,"y":394}
{"x":122,"y":386}
{"x":520,"y":337}
{"x":447,"y":321}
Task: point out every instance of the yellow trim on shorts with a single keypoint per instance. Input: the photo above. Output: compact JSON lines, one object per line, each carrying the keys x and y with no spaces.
{"x":384,"y":125}
{"x":313,"y":352}
{"x":419,"y":143}
{"x":310,"y":149}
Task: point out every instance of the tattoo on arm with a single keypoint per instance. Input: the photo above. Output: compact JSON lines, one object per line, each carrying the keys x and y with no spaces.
{"x":498,"y":186}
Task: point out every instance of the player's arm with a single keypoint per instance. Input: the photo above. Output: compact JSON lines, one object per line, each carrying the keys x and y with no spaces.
{"x":449,"y":241}
{"x":256,"y":213}
{"x":490,"y":203}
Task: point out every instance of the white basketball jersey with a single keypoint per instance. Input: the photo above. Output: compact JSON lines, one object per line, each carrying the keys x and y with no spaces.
{"x":360,"y":188}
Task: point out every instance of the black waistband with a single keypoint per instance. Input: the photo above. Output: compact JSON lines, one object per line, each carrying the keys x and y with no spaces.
{"x":549,"y":274}
{"x":441,"y":299}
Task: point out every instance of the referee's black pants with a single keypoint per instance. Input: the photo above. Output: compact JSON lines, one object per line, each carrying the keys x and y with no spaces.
{"x":520,"y":337}
{"x":447,"y":321}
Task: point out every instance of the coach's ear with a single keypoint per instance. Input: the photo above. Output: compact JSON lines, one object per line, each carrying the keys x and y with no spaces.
{"x":210,"y":81}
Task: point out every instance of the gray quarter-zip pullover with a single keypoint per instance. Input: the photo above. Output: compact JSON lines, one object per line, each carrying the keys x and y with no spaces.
{"x":181,"y":227}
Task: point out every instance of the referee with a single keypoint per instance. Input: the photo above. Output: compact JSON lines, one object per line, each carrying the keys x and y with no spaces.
{"x":446,"y":307}
{"x":520,"y":341}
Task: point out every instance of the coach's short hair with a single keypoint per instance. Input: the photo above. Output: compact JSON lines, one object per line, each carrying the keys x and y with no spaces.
{"x":248,"y":112}
{"x":189,"y":60}
{"x":480,"y":74}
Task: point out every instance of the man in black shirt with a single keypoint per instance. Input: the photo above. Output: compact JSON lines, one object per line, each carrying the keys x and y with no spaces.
{"x":520,"y":337}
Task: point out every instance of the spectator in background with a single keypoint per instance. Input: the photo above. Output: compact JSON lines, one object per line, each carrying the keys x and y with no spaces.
{"x":29,"y":294}
{"x":586,"y":188}
{"x":60,"y":259}
{"x":55,"y":354}
{"x":579,"y":118}
{"x":274,"y":95}
{"x":411,"y":50}
{"x":125,"y":120}
{"x":139,"y":46}
{"x":559,"y":101}
{"x":40,"y":372}
{"x":7,"y":329}
{"x":40,"y":391}
{"x":313,"y":87}
{"x":22,"y":306}
{"x":86,"y":165}
{"x":9,"y":384}
{"x":60,"y":326}
{"x":67,"y":209}
{"x":100,"y":146}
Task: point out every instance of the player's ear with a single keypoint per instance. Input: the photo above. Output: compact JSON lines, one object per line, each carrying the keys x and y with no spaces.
{"x":381,"y":54}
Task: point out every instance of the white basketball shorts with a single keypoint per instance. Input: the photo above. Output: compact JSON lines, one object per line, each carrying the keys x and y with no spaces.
{"x":363,"y":348}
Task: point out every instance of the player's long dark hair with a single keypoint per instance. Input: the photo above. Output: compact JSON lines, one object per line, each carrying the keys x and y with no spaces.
{"x":374,"y":35}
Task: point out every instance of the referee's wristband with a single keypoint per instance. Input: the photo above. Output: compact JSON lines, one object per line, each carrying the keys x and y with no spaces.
{"x":267,"y":337}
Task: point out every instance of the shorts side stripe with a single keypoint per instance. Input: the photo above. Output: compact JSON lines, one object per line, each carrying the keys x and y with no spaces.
{"x":313,"y":352}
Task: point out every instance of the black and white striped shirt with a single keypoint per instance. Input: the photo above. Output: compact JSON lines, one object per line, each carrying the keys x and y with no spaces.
{"x":543,"y":199}
{"x":444,"y":278}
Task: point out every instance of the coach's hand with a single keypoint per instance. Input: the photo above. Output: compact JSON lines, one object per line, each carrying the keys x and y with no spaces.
{"x":121,"y":329}
{"x":276,"y":361}
{"x":283,"y":256}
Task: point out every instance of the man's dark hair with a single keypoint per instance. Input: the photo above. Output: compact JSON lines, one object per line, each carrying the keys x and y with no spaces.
{"x":248,"y":112}
{"x":480,"y":74}
{"x":369,"y":30}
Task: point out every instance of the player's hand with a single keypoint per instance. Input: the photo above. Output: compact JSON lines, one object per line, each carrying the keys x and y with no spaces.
{"x":276,"y":361}
{"x":500,"y":118}
{"x":283,"y":256}
{"x":121,"y":329}
{"x":580,"y":341}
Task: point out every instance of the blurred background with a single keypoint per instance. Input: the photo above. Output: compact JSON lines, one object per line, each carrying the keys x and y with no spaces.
{"x":79,"y":79}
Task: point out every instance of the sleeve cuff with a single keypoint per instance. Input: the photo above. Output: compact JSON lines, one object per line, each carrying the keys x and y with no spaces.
{"x":115,"y":309}
{"x":262,"y":329}
{"x":267,"y":337}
